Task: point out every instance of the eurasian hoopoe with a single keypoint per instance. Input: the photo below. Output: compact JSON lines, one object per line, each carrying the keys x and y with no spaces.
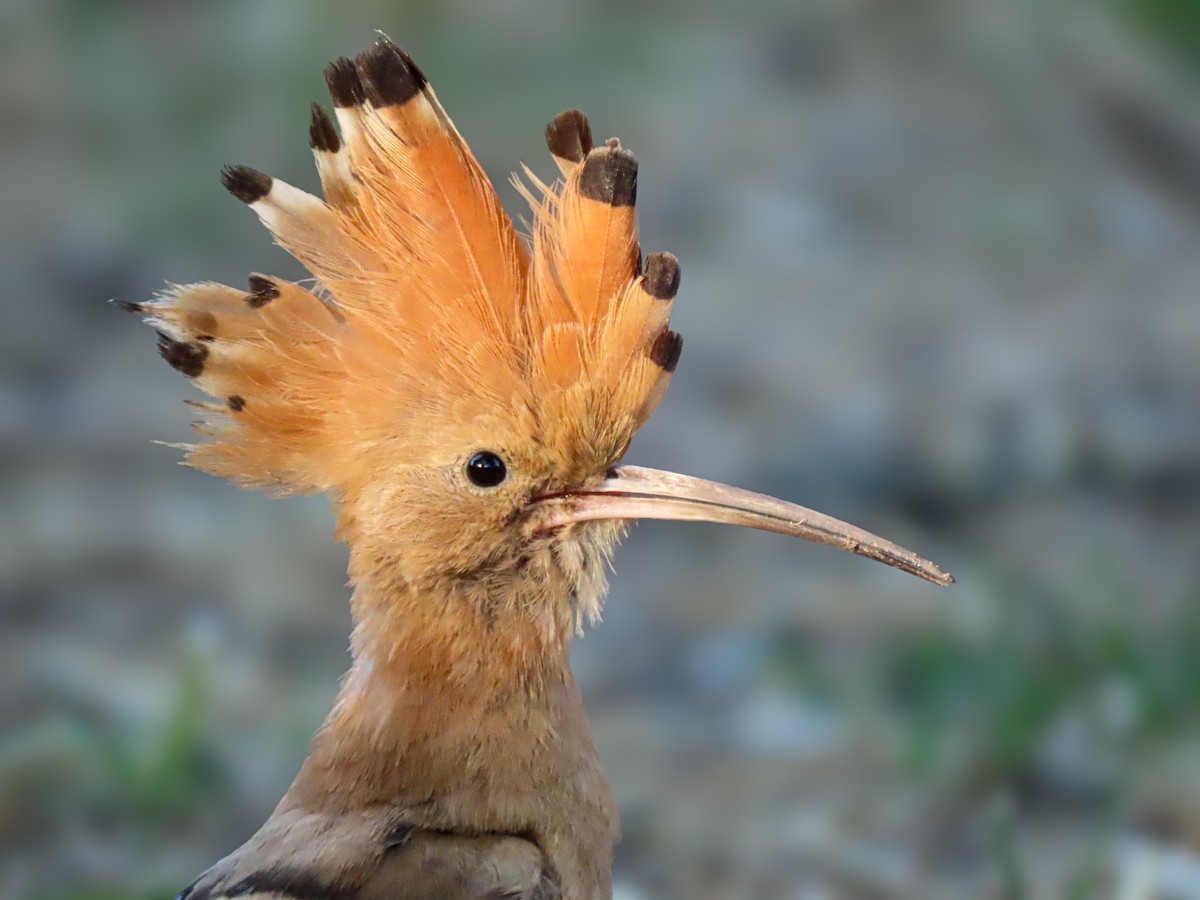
{"x":464,"y":396}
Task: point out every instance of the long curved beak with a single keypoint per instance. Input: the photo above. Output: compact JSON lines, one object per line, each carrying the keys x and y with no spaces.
{"x":633,"y":492}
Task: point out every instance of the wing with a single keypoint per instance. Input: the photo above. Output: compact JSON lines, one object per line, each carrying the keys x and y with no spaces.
{"x":366,"y":855}
{"x":457,"y":867}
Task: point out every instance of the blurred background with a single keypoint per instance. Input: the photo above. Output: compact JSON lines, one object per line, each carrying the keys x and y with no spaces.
{"x":940,"y":278}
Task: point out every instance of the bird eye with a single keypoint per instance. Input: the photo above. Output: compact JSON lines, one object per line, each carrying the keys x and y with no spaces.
{"x":486,"y":469}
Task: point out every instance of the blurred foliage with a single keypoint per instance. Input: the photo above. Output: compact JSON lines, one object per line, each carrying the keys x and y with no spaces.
{"x":1012,"y":879}
{"x":168,"y":775}
{"x":1008,"y":690}
{"x":1176,"y":23}
{"x":150,"y":781}
{"x":1038,"y":660}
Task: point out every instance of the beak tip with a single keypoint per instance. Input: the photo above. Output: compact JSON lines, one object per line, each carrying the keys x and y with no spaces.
{"x":942,"y":579}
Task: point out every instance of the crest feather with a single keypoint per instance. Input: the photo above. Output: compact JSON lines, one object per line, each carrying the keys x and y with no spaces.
{"x":269,"y":355}
{"x":426,"y":306}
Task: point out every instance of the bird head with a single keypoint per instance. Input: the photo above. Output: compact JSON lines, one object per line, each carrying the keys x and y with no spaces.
{"x":464,"y":394}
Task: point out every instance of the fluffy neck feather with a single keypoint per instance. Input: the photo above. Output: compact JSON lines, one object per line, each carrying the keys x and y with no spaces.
{"x":460,"y":709}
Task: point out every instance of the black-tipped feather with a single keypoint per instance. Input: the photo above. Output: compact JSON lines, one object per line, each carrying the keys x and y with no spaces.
{"x":182,"y":356}
{"x":247,"y":184}
{"x":569,"y":136}
{"x":388,"y":75}
{"x":662,"y":276}
{"x":321,"y":133}
{"x":610,"y":176}
{"x":666,"y":348}
{"x":345,"y":87}
{"x":262,"y":291}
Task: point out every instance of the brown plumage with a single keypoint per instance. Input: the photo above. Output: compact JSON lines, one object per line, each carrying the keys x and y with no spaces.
{"x":464,"y":397}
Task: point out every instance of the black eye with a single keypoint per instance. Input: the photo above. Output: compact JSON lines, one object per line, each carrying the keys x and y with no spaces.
{"x":486,"y":469}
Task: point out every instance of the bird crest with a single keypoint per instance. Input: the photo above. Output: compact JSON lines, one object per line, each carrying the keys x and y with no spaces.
{"x":462,"y":392}
{"x":429,"y":321}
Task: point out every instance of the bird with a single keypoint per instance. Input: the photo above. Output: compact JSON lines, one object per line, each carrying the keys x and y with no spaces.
{"x":464,"y":394}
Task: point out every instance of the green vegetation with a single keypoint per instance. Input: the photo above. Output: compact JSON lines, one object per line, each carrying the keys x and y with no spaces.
{"x":1176,"y":23}
{"x":146,"y":781}
{"x":1036,"y":665}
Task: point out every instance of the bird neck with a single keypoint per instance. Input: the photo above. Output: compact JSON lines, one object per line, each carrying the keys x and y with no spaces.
{"x":460,"y":708}
{"x":430,"y":669}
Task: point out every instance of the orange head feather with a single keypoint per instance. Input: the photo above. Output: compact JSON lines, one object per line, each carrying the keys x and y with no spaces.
{"x":461,"y":393}
{"x":432,"y":333}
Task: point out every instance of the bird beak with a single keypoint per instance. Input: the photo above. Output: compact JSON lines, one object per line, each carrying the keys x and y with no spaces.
{"x":632,"y":492}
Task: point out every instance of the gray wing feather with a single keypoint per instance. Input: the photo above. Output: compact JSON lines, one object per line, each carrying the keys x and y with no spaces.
{"x":487,"y":867}
{"x":371,"y":856}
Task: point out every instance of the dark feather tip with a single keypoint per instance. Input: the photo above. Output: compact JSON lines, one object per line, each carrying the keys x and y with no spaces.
{"x":205,"y":323}
{"x":127,"y":306}
{"x":321,"y":133}
{"x":389,"y":76}
{"x":247,"y":184}
{"x":182,"y":356}
{"x":345,"y":87}
{"x":236,"y":402}
{"x":610,"y":176}
{"x":662,"y":276}
{"x":569,"y":136}
{"x":666,"y":348}
{"x":262,"y":291}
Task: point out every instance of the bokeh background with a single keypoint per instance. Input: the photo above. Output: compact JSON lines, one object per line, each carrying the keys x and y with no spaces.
{"x":941,"y":275}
